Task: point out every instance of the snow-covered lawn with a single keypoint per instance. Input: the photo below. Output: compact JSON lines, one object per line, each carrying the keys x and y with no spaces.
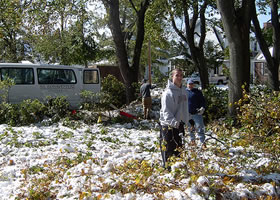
{"x":80,"y":161}
{"x":74,"y":160}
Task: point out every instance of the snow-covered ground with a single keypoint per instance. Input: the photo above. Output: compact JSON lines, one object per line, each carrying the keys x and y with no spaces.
{"x":93,"y":160}
{"x":42,"y":146}
{"x":73,"y":160}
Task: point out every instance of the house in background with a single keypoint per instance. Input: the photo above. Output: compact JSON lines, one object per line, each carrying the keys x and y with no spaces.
{"x":260,"y":73}
{"x":260,"y":70}
{"x":162,"y":65}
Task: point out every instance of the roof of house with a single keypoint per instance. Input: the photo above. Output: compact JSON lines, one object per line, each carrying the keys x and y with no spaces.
{"x":260,"y":57}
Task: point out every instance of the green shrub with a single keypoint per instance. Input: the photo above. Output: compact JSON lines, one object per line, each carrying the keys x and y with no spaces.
{"x":5,"y":85}
{"x":114,"y":91}
{"x":57,"y":108}
{"x":31,"y":111}
{"x":9,"y":113}
{"x":259,"y":117}
{"x":88,"y":99}
{"x":27,"y":112}
{"x":95,"y":101}
{"x":216,"y":103}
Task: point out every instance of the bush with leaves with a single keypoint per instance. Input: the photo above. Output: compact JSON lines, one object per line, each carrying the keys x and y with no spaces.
{"x":31,"y":111}
{"x":57,"y":107}
{"x":95,"y":101}
{"x":9,"y":114}
{"x":259,"y":117}
{"x":5,"y":85}
{"x":216,"y":103}
{"x":114,"y":91}
{"x":27,"y":112}
{"x":89,"y":99}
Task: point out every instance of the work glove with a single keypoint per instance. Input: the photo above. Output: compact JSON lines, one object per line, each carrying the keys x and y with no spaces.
{"x":192,"y":125}
{"x":191,"y":121}
{"x":181,"y":128}
{"x":200,"y":111}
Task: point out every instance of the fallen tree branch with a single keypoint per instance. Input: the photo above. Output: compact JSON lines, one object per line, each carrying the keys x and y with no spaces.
{"x":212,"y":137}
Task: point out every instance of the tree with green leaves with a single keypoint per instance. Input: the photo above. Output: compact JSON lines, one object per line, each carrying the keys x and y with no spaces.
{"x":13,"y":44}
{"x":83,"y":48}
{"x":61,"y":34}
{"x":126,"y":21}
{"x":159,"y":36}
{"x":273,"y":60}
{"x":236,"y":18}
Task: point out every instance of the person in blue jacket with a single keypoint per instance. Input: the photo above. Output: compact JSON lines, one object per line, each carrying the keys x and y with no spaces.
{"x":196,"y":109}
{"x":173,"y":116}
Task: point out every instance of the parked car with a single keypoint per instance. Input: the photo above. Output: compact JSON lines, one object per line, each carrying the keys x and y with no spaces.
{"x":215,"y":79}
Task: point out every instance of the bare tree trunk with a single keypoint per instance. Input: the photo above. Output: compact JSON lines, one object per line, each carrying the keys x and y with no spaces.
{"x":273,"y":75}
{"x":196,"y":49}
{"x":236,"y":22}
{"x":274,"y":59}
{"x":200,"y":63}
{"x":129,"y":73}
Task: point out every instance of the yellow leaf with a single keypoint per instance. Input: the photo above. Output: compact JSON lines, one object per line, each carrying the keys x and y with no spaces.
{"x":137,"y":180}
{"x":82,"y":195}
{"x":227,"y":180}
{"x":269,"y":198}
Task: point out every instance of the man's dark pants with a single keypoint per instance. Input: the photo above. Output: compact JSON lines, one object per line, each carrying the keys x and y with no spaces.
{"x":170,"y":142}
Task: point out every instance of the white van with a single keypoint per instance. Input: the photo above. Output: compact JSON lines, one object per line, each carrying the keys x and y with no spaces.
{"x":37,"y":81}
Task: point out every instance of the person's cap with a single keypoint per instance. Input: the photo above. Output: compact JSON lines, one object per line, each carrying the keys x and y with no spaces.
{"x":190,"y":81}
{"x":144,"y":80}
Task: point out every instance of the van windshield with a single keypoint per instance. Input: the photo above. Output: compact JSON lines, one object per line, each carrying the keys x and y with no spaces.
{"x":56,"y":76}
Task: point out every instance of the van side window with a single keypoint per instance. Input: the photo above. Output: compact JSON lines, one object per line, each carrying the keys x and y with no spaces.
{"x":21,"y":76}
{"x":91,"y":77}
{"x":56,"y":76}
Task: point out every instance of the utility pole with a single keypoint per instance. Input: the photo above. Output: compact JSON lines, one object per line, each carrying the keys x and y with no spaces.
{"x":149,"y":61}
